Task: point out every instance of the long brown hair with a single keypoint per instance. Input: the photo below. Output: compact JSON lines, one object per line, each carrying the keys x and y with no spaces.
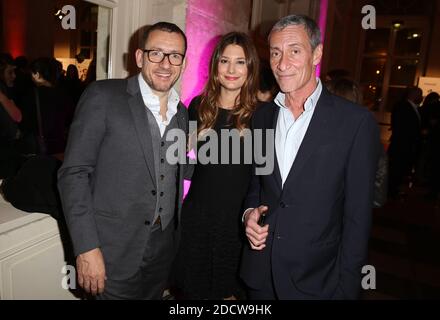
{"x":246,"y":101}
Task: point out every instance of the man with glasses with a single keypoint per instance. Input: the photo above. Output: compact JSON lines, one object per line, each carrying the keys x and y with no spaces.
{"x":120,"y":195}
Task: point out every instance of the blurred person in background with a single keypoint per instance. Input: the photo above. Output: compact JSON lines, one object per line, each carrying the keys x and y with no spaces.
{"x":10,"y":116}
{"x":47,"y":110}
{"x":405,"y":139}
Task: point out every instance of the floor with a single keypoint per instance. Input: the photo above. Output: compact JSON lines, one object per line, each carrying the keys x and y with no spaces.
{"x":405,"y":248}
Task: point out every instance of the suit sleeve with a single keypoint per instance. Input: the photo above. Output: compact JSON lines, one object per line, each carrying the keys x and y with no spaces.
{"x":192,"y":130}
{"x":189,"y":167}
{"x":74,"y":177}
{"x":359,"y":183}
{"x":253,"y":194}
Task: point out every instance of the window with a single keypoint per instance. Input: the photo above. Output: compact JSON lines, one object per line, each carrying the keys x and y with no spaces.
{"x":392,"y":59}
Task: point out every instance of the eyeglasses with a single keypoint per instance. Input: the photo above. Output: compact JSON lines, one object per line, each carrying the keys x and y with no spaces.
{"x":156,"y":56}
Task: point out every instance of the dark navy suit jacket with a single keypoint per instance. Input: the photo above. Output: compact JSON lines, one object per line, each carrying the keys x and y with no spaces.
{"x":319,"y":222}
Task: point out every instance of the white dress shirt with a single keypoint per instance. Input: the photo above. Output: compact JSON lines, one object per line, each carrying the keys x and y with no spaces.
{"x":152,"y":102}
{"x":289,"y":132}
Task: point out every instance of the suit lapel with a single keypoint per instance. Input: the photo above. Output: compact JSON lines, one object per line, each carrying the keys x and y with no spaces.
{"x":272,"y":124}
{"x":182,"y":123}
{"x":316,"y":134}
{"x":140,"y":119}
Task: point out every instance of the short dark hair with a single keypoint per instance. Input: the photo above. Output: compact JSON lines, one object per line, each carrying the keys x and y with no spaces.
{"x":308,"y":23}
{"x":164,"y":26}
{"x":46,"y":68}
{"x":413,"y":91}
{"x":345,"y":88}
{"x":5,"y":60}
{"x":267,"y":79}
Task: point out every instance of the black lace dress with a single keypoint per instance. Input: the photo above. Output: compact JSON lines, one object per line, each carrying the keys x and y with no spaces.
{"x":212,"y":233}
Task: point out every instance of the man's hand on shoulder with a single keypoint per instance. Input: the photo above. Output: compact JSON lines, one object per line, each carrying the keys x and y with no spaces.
{"x":91,"y":271}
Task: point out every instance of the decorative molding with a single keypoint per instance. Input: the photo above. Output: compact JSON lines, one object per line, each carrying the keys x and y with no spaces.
{"x":105,"y":3}
{"x":257,"y":11}
{"x":113,"y":5}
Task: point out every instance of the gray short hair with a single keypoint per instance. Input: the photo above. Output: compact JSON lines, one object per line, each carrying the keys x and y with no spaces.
{"x":294,"y":20}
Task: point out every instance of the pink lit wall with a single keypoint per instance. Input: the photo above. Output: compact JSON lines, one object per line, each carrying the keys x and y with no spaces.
{"x":206,"y":21}
{"x":322,"y":23}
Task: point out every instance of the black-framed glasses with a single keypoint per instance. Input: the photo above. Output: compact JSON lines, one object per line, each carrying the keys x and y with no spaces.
{"x":157,"y":56}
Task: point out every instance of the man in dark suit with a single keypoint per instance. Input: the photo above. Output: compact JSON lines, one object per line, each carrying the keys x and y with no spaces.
{"x":405,"y":139}
{"x":120,"y":194}
{"x":317,"y":202}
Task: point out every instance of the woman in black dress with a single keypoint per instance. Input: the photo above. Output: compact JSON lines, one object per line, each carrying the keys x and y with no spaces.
{"x":208,"y":258}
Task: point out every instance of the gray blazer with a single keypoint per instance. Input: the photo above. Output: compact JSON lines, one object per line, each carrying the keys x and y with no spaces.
{"x":107,"y":181}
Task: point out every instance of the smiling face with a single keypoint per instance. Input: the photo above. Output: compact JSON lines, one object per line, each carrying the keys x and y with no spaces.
{"x":232,"y":68}
{"x":162,"y":76}
{"x":292,"y":59}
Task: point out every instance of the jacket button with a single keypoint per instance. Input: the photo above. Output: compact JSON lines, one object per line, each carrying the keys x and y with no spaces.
{"x":282,"y":205}
{"x":160,"y":209}
{"x":161,"y":194}
{"x":147,"y":223}
{"x":153,"y":192}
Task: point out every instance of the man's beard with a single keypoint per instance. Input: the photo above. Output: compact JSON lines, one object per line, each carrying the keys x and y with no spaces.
{"x":160,"y":87}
